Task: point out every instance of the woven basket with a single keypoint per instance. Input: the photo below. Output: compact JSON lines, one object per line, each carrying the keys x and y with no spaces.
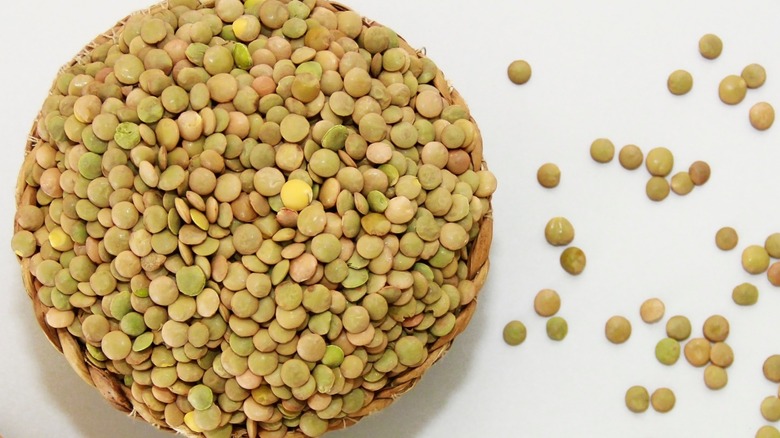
{"x":120,"y":397}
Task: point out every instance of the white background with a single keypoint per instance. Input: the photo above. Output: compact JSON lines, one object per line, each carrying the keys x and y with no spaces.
{"x":599,"y":70}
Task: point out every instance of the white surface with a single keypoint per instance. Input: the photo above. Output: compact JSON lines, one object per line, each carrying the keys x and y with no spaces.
{"x":599,"y":69}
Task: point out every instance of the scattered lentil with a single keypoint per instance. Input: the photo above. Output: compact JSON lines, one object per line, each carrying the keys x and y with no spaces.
{"x":754,"y":75}
{"x":745,"y":294}
{"x":663,"y":400}
{"x":573,"y":260}
{"x":514,"y":333}
{"x":519,"y":72}
{"x":678,"y":327}
{"x":771,"y":368}
{"x":559,"y":231}
{"x":548,"y":175}
{"x":732,"y":89}
{"x":710,"y":46}
{"x":631,"y":157}
{"x":557,"y":328}
{"x":715,"y":377}
{"x":726,"y":238}
{"x":667,"y":351}
{"x":617,"y":329}
{"x":755,"y":259}
{"x":652,"y":310}
{"x":680,"y":82}
{"x":716,"y":328}
{"x":637,"y":399}
{"x":770,"y":408}
{"x":762,"y":116}
{"x":697,"y":352}
{"x":602,"y":150}
{"x":547,"y":302}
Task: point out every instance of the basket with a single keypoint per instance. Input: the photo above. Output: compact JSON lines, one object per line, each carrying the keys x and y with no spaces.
{"x":111,"y":386}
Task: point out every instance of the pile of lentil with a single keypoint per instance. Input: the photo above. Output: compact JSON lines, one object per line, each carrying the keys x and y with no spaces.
{"x":254,"y":214}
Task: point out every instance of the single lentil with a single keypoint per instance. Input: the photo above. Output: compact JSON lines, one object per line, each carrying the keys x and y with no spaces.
{"x":631,"y":157}
{"x":519,"y":72}
{"x":710,"y":46}
{"x":715,"y":377}
{"x":699,"y":172}
{"x":762,"y":116}
{"x":559,"y":231}
{"x":732,"y":89}
{"x":573,"y":260}
{"x":617,"y":329}
{"x":602,"y":150}
{"x":745,"y":294}
{"x":652,"y":310}
{"x":726,"y":238}
{"x":547,"y":302}
{"x":667,"y":351}
{"x":679,"y":82}
{"x":514,"y":333}
{"x":678,"y":327}
{"x":548,"y":175}
{"x":663,"y":400}
{"x":637,"y":399}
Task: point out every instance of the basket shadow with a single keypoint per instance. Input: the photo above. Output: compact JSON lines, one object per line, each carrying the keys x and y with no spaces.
{"x":88,"y":413}
{"x":409,"y":415}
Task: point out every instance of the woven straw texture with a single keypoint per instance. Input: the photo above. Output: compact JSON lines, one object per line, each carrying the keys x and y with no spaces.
{"x":120,"y":397}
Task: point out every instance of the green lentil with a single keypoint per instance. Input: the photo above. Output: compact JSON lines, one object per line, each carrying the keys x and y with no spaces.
{"x":548,"y":175}
{"x":762,"y":116}
{"x":667,"y":351}
{"x":602,"y":150}
{"x":678,"y":327}
{"x":637,"y":399}
{"x":726,"y":238}
{"x":617,"y":329}
{"x":630,"y":157}
{"x":680,"y":82}
{"x":771,"y":368}
{"x":652,"y":310}
{"x":770,"y":408}
{"x":519,"y":72}
{"x":767,"y":431}
{"x":755,"y":259}
{"x":754,"y":75}
{"x":721,"y":354}
{"x":559,"y":231}
{"x":715,"y":377}
{"x":514,"y":333}
{"x":547,"y":302}
{"x":659,"y":161}
{"x":716,"y":328}
{"x":573,"y":260}
{"x":732,"y":89}
{"x":697,"y":352}
{"x":557,"y":328}
{"x":657,"y":188}
{"x":681,"y":183}
{"x":710,"y":46}
{"x":745,"y":294}
{"x":663,"y":400}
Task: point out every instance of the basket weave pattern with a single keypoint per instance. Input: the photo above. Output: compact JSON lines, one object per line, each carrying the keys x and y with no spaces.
{"x":120,"y":397}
